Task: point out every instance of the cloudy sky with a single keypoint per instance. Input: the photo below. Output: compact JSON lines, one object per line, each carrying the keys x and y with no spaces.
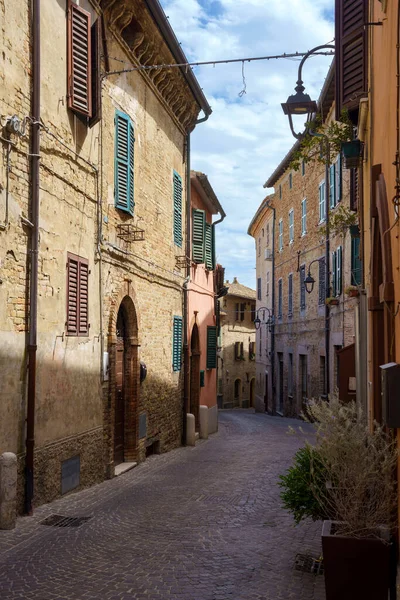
{"x":246,"y":137}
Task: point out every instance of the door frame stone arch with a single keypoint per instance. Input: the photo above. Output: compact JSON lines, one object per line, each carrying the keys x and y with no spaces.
{"x":125,"y":299}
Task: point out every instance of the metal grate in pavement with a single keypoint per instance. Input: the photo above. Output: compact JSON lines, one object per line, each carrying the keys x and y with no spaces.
{"x":308,"y":564}
{"x":60,"y":521}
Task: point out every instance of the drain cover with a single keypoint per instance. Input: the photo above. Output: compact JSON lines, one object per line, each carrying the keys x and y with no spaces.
{"x":308,"y":564}
{"x":60,"y":521}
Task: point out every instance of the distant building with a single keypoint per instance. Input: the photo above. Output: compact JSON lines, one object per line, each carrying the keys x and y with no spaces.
{"x":261,"y":229}
{"x":237,"y":367}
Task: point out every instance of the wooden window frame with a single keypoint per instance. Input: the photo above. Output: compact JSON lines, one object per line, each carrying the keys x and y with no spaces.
{"x":127,"y":161}
{"x":72,"y":10}
{"x":322,"y":201}
{"x":77,"y":331}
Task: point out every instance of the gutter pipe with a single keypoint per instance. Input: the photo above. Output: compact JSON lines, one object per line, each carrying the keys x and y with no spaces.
{"x":272,"y":357}
{"x":33,"y":284}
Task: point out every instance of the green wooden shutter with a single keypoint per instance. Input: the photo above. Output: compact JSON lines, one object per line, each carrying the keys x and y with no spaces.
{"x":332,"y":186}
{"x":334,"y":275}
{"x":356,"y":267}
{"x":208,"y":247}
{"x":339,"y":178}
{"x":213,"y":246}
{"x":177,"y":344}
{"x":124,"y":162}
{"x":339,"y":271}
{"x":198,"y":235}
{"x":211,"y":347}
{"x":177,"y":209}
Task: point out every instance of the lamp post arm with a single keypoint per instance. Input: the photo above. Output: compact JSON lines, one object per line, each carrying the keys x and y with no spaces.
{"x":300,"y":87}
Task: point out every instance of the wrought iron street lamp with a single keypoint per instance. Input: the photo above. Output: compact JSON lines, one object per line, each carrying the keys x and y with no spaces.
{"x":301,"y":104}
{"x":269,"y":322}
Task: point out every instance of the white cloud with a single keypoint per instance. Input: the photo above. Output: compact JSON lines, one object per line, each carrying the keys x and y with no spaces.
{"x":246,"y":138}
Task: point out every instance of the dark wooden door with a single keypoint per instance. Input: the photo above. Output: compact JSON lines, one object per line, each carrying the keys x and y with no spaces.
{"x":119,"y":403}
{"x":266,"y":393}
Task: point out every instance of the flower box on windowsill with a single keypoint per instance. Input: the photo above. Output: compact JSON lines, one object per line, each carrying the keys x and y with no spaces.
{"x":352,"y":291}
{"x":352,"y":153}
{"x":332,"y":301}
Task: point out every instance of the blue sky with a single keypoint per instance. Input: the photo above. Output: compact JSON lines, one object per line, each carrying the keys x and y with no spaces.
{"x":246,"y":137}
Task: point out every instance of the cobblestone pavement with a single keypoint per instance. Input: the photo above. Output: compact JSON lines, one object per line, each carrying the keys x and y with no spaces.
{"x":201,"y":523}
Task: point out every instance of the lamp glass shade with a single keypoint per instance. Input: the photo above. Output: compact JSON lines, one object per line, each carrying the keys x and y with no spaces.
{"x":309,"y":283}
{"x":299,"y":104}
{"x":257,"y":322}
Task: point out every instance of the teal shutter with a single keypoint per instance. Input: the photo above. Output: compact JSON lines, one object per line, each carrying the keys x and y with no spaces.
{"x":211,"y":347}
{"x":177,"y":344}
{"x":339,"y":178}
{"x":177,"y":185}
{"x":332,"y":186}
{"x":124,"y":163}
{"x":198,"y":235}
{"x":213,"y":246}
{"x":356,"y":267}
{"x":209,"y":247}
{"x":339,"y":271}
{"x":334,"y":275}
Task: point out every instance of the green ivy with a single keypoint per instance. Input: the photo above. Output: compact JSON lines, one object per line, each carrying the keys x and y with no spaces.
{"x":312,"y":146}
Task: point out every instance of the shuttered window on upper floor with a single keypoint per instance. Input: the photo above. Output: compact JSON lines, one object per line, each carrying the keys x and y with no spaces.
{"x":77,"y":323}
{"x":177,"y":198}
{"x":350,"y":53}
{"x":198,"y":235}
{"x":302,"y":287}
{"x":321,"y":281}
{"x":83,"y":64}
{"x":337,"y":272}
{"x":356,"y":264}
{"x":209,"y":247}
{"x":177,"y":344}
{"x":124,"y":162}
{"x":211,"y":362}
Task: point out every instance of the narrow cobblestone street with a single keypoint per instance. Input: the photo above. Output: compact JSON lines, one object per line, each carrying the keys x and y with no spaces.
{"x":201,"y":523}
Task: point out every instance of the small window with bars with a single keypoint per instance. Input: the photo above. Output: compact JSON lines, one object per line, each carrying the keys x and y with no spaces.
{"x":77,"y":296}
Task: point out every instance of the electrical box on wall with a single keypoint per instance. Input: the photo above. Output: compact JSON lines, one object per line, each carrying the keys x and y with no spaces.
{"x":390,"y":379}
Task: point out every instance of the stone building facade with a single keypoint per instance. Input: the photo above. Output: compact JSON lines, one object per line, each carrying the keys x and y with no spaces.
{"x":112,"y":220}
{"x":300,"y":317}
{"x":236,"y":361}
{"x":261,"y":229}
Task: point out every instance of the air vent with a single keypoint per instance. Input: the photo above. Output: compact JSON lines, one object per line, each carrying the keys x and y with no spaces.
{"x":60,"y":521}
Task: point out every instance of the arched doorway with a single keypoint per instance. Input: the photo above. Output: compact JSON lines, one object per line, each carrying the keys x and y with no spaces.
{"x":252,"y":383}
{"x":124,"y":383}
{"x":195,"y":373}
{"x":237,"y":392}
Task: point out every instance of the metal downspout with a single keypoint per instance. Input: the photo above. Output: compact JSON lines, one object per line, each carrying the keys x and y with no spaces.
{"x":186,"y":357}
{"x":273,"y":315}
{"x":33,"y":283}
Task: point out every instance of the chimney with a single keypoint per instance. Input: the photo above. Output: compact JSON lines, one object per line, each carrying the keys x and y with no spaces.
{"x":235,"y":280}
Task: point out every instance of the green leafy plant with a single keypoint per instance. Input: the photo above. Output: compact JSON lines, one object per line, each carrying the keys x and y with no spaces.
{"x":331,"y":300}
{"x":340,"y":220}
{"x":355,"y":480}
{"x":301,"y":486}
{"x":312,"y":146}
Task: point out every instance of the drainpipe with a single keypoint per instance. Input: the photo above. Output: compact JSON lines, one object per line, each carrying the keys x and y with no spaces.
{"x":33,"y":285}
{"x":186,"y":357}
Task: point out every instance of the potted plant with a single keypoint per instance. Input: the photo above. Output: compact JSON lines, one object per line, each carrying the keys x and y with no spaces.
{"x":352,"y":291}
{"x":352,"y":153}
{"x":332,"y":301}
{"x":351,"y":476}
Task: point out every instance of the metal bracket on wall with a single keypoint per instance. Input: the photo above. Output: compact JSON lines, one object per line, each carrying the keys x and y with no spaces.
{"x":130,"y":233}
{"x":181,"y":262}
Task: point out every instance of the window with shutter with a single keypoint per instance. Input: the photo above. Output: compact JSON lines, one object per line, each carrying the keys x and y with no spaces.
{"x":124,"y":163}
{"x":304,"y":217}
{"x":237,"y":311}
{"x":332,"y":186}
{"x":350,"y":53}
{"x":291,"y":226}
{"x":290,"y":295}
{"x":339,"y":271}
{"x":237,"y":350}
{"x":280,"y":235}
{"x":302,"y":287}
{"x":177,"y":185}
{"x":77,"y":296}
{"x":198,"y":235}
{"x":356,"y":265}
{"x":334,"y":274}
{"x":354,"y":189}
{"x":211,"y":348}
{"x":242,"y":311}
{"x":96,"y":72}
{"x":177,"y":344}
{"x":79,"y":60}
{"x":322,"y":208}
{"x":253,"y":312}
{"x":280,"y":298}
{"x":259,"y":288}
{"x":322,"y":281}
{"x":338,"y":184}
{"x":209,"y":246}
